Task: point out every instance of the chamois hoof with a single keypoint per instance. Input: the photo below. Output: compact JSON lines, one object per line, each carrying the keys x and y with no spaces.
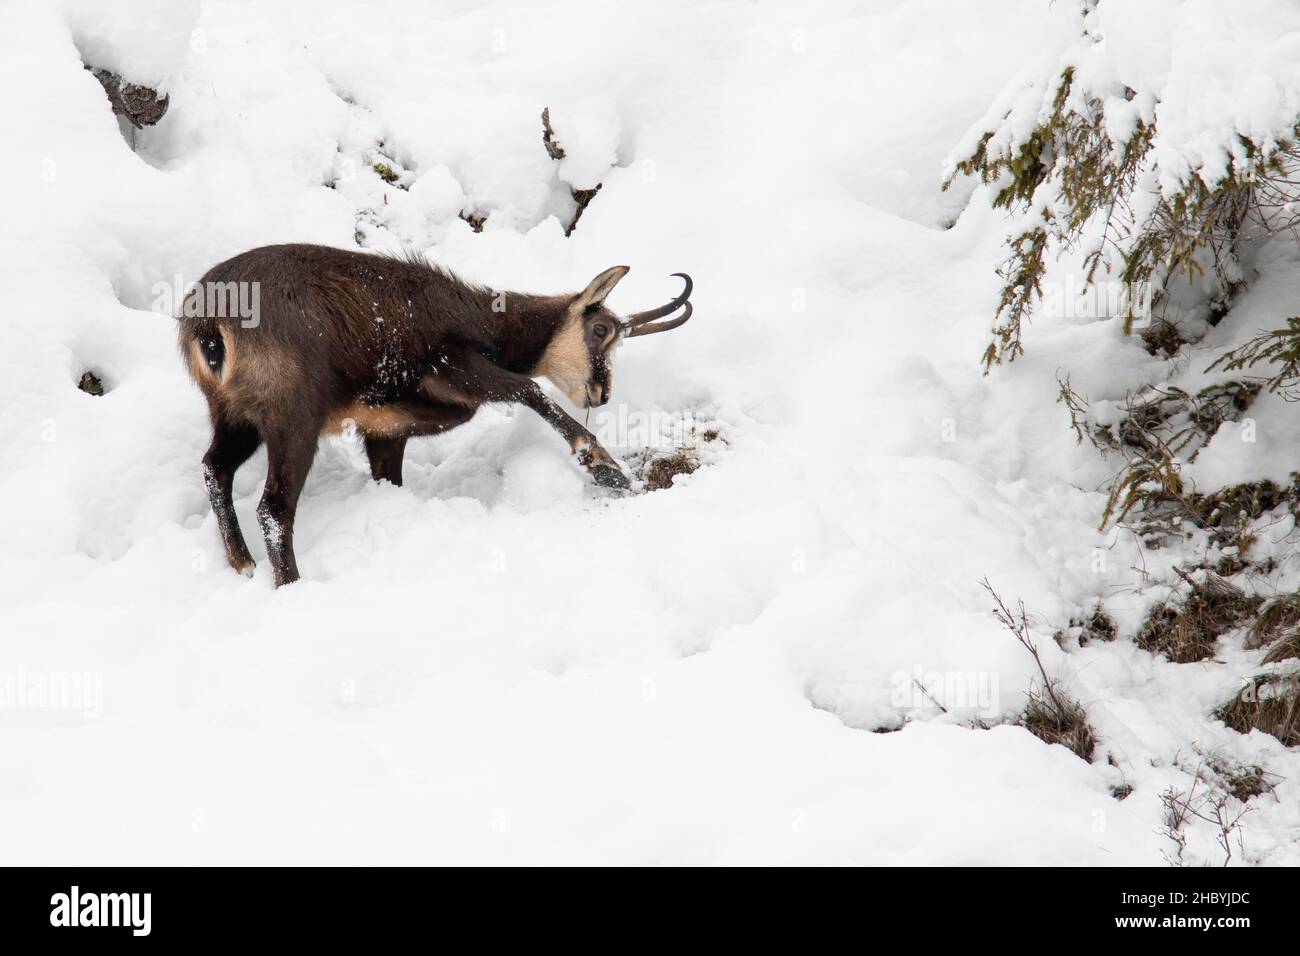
{"x":247,"y":570}
{"x":607,"y":476}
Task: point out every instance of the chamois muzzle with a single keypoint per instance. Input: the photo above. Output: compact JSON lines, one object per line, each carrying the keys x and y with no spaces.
{"x":643,"y":323}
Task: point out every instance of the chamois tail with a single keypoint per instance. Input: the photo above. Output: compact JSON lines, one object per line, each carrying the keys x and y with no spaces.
{"x":207,"y":350}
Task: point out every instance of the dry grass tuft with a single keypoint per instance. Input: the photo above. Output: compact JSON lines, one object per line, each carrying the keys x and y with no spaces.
{"x":1243,"y":781}
{"x":1057,"y":719}
{"x":1278,"y":625}
{"x":1187,"y":632}
{"x":1286,"y":649}
{"x":1270,"y":703}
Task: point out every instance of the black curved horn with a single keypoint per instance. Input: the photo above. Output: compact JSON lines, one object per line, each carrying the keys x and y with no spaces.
{"x":653,"y":327}
{"x":638,"y":320}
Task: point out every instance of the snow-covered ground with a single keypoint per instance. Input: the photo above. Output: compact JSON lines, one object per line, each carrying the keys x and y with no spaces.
{"x":499,"y":662}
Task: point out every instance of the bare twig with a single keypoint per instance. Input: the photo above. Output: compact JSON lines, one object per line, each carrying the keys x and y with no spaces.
{"x":553,"y":148}
{"x":581,"y":197}
{"x":1018,"y":624}
{"x":926,"y":693}
{"x":1051,"y":716}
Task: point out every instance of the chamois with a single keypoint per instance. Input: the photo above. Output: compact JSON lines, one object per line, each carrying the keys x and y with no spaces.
{"x":396,"y":346}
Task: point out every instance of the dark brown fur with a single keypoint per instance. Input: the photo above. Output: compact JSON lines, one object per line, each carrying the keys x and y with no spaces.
{"x":395,"y":346}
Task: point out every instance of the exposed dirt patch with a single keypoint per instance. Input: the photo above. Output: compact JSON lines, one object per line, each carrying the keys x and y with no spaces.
{"x":660,"y":471}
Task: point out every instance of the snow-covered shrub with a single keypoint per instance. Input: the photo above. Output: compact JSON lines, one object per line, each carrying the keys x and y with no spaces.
{"x":1154,"y":154}
{"x":1279,"y":348}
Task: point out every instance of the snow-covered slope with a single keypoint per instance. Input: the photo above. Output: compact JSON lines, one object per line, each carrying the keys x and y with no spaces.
{"x":498,"y":662}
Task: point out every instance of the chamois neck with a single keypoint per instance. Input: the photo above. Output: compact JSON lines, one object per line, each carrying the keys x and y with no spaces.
{"x":522,"y":327}
{"x":516,"y":328}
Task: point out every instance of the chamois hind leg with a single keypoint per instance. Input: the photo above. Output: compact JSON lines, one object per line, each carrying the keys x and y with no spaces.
{"x":421,"y":417}
{"x":385,"y":456}
{"x":232,"y":445}
{"x":290,"y":453}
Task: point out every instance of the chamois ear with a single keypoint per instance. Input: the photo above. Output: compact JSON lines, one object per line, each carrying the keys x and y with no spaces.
{"x":601,"y":286}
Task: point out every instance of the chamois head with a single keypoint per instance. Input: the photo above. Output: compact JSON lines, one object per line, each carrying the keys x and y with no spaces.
{"x":579,"y":358}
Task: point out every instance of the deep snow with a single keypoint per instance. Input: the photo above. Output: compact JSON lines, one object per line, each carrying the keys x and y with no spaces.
{"x":499,"y":662}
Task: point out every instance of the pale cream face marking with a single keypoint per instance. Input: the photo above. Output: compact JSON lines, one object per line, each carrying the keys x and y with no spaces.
{"x":566,"y":362}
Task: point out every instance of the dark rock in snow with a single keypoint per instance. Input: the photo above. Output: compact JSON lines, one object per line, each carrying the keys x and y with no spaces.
{"x":91,"y":384}
{"x":141,"y":105}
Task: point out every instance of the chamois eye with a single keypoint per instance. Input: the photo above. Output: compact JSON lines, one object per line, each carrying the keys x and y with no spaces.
{"x":600,"y":330}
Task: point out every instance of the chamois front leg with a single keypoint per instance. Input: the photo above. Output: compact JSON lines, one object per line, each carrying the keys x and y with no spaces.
{"x":470,"y":374}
